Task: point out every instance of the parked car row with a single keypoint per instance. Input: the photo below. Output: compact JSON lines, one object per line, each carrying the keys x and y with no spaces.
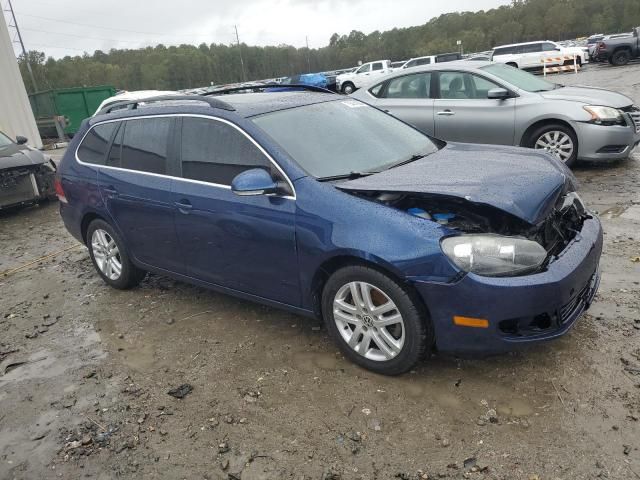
{"x":332,"y":208}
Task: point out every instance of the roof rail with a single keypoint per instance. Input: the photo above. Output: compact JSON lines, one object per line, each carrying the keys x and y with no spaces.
{"x":263,"y":86}
{"x":133,"y":104}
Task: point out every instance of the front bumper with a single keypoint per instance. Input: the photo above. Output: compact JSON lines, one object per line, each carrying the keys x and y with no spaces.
{"x":520,"y":310}
{"x":602,"y":143}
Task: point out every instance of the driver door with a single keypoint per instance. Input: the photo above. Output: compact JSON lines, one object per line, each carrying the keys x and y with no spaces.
{"x":463,"y":113}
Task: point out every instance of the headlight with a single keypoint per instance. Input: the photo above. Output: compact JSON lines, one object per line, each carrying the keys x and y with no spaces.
{"x":494,"y":255}
{"x":605,"y":115}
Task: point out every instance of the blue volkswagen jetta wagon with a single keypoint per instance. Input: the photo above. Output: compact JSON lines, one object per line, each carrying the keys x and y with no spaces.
{"x":328,"y":207}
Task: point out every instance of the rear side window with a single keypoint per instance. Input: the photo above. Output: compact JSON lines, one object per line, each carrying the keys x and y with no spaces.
{"x":145,"y":145}
{"x":409,"y":86}
{"x":215,"y":152}
{"x":94,"y":146}
{"x":532,"y":48}
{"x":504,"y":51}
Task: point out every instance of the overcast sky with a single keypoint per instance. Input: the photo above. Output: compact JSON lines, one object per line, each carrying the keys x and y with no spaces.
{"x":59,"y":28}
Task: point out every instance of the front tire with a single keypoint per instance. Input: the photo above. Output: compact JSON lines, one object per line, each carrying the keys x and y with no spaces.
{"x":110,"y":257}
{"x":348,"y":88}
{"x":375,"y":321}
{"x":557,"y":139}
{"x":620,"y":58}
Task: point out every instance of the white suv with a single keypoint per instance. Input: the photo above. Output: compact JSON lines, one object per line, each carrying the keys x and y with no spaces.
{"x":530,"y":54}
{"x":349,"y":82}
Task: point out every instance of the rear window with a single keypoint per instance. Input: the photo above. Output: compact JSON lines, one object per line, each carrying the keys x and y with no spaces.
{"x":94,"y":145}
{"x":145,"y":145}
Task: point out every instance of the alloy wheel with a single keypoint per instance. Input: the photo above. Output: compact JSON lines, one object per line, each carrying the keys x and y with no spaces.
{"x":368,"y":321}
{"x":106,"y":254}
{"x":557,"y":143}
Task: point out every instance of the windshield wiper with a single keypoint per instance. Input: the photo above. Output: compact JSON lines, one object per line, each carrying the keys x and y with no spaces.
{"x":412,"y":158}
{"x":346,"y":176}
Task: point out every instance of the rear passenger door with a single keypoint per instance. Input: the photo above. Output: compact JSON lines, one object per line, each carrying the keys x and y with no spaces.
{"x":408,"y":98}
{"x":135,"y":185}
{"x":246,"y":243}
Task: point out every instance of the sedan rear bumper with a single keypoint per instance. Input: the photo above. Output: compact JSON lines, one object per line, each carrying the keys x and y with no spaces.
{"x":602,"y":143}
{"x":519,"y":310}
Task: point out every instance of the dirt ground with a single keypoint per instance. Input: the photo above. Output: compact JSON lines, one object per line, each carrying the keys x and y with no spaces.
{"x":85,"y":371}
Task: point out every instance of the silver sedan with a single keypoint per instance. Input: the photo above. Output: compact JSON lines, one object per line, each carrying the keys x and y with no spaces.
{"x":484,"y":102}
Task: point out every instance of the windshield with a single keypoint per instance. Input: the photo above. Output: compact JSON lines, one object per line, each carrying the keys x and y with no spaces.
{"x":520,"y":79}
{"x":5,"y":141}
{"x":338,"y":138}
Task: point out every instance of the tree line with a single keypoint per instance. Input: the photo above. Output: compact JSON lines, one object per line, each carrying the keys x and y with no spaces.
{"x":188,"y":66}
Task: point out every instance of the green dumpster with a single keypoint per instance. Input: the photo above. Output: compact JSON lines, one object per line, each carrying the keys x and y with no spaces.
{"x":75,"y":104}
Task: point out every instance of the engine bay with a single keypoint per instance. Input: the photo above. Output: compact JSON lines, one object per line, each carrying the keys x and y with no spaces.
{"x":554,"y":234}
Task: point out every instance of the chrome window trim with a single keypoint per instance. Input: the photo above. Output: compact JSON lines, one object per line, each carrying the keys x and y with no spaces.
{"x":189,"y":180}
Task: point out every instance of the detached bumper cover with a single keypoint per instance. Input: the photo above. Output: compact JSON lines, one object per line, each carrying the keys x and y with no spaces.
{"x":520,"y":310}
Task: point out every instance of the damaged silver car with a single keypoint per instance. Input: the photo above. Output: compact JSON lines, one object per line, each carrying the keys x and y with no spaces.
{"x":26,"y":174}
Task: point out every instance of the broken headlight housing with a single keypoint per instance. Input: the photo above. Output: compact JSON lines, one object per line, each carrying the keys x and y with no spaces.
{"x":494,"y":255}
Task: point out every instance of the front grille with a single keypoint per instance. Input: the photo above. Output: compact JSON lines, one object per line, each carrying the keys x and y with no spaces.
{"x":634,"y":113}
{"x":576,"y":303}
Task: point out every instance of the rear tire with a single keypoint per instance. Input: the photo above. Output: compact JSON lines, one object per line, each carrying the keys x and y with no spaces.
{"x":385,"y":330}
{"x":110,"y":257}
{"x":554,"y":138}
{"x":620,"y":58}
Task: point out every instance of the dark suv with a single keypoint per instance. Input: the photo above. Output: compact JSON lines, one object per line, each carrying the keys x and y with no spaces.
{"x":329,"y":207}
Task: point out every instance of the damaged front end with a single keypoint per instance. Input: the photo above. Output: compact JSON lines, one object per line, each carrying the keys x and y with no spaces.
{"x":24,"y":185}
{"x":487,"y":240}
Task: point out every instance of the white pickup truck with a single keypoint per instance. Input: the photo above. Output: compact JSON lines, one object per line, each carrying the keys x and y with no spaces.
{"x":349,"y":82}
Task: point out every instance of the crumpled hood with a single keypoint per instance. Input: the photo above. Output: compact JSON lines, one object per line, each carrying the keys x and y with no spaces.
{"x":589,"y":95}
{"x":20,"y":156}
{"x":523,"y":182}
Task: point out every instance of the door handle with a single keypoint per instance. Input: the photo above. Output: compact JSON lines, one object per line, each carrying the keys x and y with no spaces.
{"x":446,"y":113}
{"x":111,"y":191}
{"x":184,"y":206}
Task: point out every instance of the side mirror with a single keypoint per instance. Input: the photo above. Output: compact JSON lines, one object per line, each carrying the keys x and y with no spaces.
{"x":20,"y":140}
{"x":254,"y":182}
{"x":498,"y":94}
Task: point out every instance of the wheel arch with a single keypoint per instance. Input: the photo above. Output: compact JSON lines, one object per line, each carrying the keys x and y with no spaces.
{"x":335,"y":263}
{"x":540,"y":123}
{"x":86,"y":221}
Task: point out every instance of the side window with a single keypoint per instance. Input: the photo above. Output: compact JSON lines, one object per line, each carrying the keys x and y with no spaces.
{"x":460,"y":85}
{"x":481,"y":86}
{"x":549,"y":47}
{"x":115,"y":154}
{"x":145,"y":144}
{"x":215,"y":152}
{"x":409,"y":86}
{"x":377,"y":66}
{"x":532,"y":48}
{"x":504,"y":51}
{"x":364,"y":68}
{"x":376,"y":90}
{"x":94,"y":146}
{"x":423,"y":61}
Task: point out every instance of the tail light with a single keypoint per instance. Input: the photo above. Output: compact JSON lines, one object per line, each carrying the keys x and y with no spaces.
{"x":57,"y":185}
